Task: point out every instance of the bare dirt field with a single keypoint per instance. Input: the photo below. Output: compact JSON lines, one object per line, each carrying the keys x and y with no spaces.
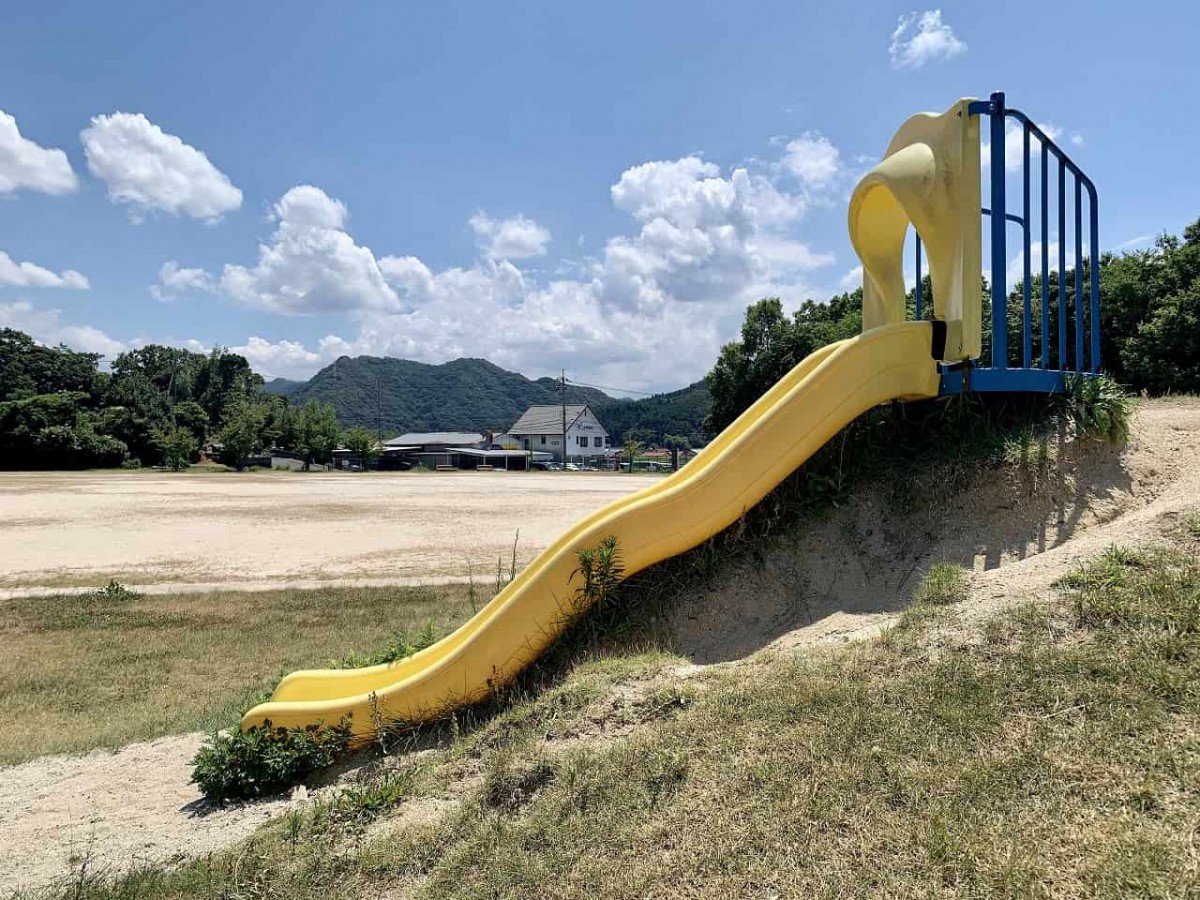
{"x":193,"y":531}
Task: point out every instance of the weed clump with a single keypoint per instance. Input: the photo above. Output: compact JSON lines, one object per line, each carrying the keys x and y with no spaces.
{"x":944,"y":583}
{"x":240,"y":765}
{"x":1099,"y":408}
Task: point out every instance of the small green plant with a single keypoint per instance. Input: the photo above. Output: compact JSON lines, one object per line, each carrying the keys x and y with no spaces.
{"x":402,"y":643}
{"x":602,"y":569}
{"x":114,"y":592}
{"x":1099,"y":407}
{"x":238,"y":765}
{"x":944,"y":583}
{"x":504,"y":580}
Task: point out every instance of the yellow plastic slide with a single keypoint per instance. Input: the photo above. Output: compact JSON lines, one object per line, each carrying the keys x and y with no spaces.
{"x":784,"y":428}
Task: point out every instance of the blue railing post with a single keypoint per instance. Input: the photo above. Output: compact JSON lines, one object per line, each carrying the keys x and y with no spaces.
{"x":1080,"y":309}
{"x":999,"y":254}
{"x":1045,"y":258}
{"x":1095,"y":275}
{"x":1062,"y":264}
{"x":1026,"y":304}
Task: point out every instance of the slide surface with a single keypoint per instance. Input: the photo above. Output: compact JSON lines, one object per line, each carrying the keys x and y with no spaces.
{"x":810,"y":405}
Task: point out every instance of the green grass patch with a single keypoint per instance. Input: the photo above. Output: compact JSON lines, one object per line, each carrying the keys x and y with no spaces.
{"x":1055,"y":758}
{"x":943,"y":583}
{"x":106,"y":668}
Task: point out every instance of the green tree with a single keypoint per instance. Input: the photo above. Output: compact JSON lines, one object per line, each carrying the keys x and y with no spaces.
{"x":361,"y":443}
{"x":675,"y":443}
{"x":54,"y":431}
{"x":771,"y":344}
{"x":27,"y":368}
{"x":632,"y":449}
{"x":193,"y":417}
{"x":224,"y":378}
{"x":179,"y":446}
{"x":318,"y":432}
{"x":239,"y":435}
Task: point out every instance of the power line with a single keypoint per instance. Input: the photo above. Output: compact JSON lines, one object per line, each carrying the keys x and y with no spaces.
{"x":609,"y":387}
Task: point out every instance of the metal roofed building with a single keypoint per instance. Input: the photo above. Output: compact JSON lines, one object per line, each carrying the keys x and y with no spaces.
{"x":437,"y":440}
{"x":541,"y":429}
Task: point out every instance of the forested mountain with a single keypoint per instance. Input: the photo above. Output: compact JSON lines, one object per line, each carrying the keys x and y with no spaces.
{"x":651,"y":419}
{"x":400,"y":395}
{"x":283,"y":387}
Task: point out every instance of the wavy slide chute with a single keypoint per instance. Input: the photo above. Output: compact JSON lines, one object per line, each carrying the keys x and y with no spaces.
{"x":789,"y":423}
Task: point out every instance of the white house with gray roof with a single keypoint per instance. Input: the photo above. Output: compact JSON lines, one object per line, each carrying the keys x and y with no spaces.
{"x":541,"y":429}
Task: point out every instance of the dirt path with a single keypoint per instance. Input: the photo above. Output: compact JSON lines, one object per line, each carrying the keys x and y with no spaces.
{"x":845,"y":578}
{"x":196,"y":531}
{"x":107,"y":811}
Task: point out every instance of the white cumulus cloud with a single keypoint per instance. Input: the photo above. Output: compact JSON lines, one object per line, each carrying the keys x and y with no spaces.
{"x":311,"y":263}
{"x":149,"y":169}
{"x":812,"y":159}
{"x":26,"y":274}
{"x":921,"y":37}
{"x":515,"y":238}
{"x":48,"y":327}
{"x":26,"y":165}
{"x":651,"y":310}
{"x":174,"y":281}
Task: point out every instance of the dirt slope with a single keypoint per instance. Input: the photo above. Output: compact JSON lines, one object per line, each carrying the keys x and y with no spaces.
{"x":1018,"y":529}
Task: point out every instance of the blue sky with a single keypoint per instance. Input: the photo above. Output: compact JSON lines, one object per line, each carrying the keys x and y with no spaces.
{"x":600,"y":187}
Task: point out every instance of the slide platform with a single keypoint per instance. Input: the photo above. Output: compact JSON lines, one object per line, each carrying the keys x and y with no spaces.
{"x":789,"y":423}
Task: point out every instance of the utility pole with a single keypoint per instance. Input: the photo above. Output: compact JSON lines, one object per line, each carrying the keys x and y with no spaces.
{"x":564,"y":416}
{"x":378,"y":410}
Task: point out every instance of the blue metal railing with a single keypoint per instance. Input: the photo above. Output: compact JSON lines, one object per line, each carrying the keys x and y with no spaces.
{"x":1050,"y":368}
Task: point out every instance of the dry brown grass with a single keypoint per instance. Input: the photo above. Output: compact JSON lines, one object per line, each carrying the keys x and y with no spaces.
{"x":1051,"y":755}
{"x":80,"y":672}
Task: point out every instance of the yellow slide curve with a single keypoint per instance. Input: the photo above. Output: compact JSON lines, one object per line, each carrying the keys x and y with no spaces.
{"x":818,"y":398}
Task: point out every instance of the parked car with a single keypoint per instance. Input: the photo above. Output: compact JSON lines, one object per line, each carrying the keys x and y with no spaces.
{"x":574,"y":467}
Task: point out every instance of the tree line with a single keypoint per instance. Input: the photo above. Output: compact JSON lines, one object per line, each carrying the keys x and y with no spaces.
{"x":155,"y":405}
{"x":1149,"y":326}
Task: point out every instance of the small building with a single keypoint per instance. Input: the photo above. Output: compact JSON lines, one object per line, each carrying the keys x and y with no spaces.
{"x":540,"y":429}
{"x":457,"y":450}
{"x":431,"y":448}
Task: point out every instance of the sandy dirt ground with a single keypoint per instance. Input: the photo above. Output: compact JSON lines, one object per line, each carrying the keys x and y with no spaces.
{"x":845,"y":578}
{"x":851,"y":574}
{"x":186,"y":532}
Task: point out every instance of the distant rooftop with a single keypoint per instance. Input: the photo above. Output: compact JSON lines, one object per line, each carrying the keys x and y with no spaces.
{"x":447,"y":438}
{"x":547,"y":419}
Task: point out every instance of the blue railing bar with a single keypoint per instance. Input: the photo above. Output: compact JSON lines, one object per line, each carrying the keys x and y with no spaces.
{"x":987,"y":108}
{"x":1045,"y":262}
{"x":999,"y":255}
{"x":917,"y":289}
{"x":1010,"y":217}
{"x":1027,"y":309}
{"x":1054,"y":148}
{"x":1080,"y":362}
{"x":1062,"y":266}
{"x":1095,"y":285}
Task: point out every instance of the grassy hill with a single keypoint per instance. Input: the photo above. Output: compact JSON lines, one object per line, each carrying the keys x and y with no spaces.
{"x":404,"y":395}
